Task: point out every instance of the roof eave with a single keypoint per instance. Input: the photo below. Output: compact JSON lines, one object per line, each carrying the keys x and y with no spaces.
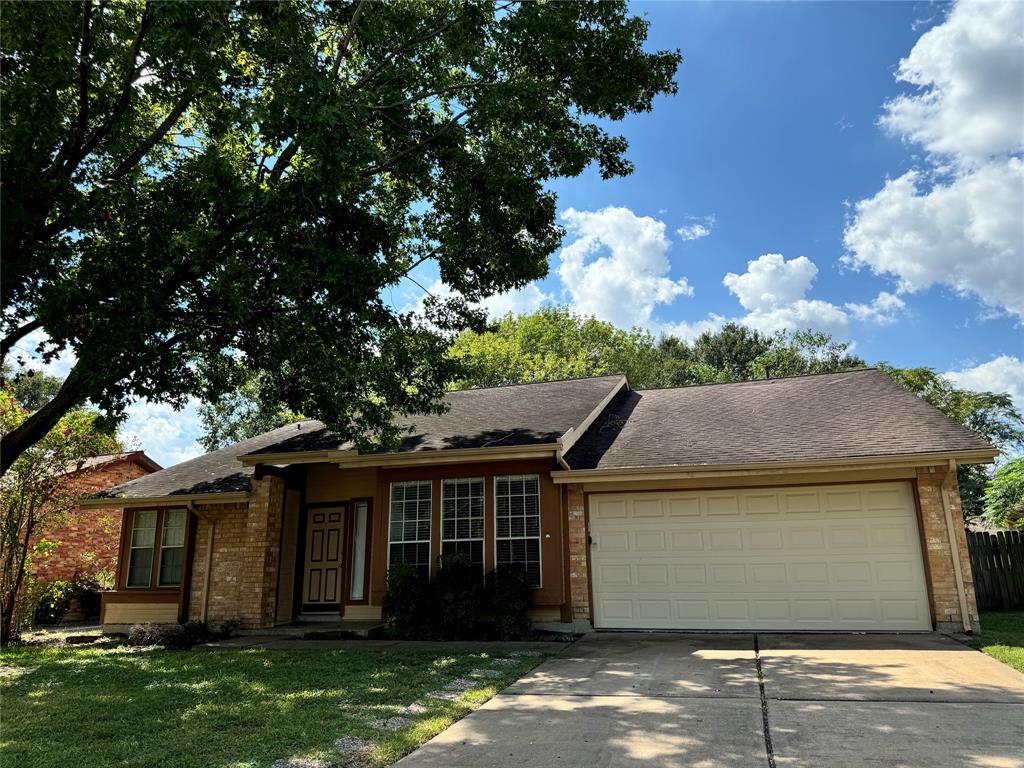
{"x":683,"y":472}
{"x":126,"y":502}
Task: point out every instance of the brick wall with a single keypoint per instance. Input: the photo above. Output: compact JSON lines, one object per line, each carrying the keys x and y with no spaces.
{"x":579,"y":579}
{"x":89,"y":538}
{"x":246,"y":550}
{"x":945,"y":599}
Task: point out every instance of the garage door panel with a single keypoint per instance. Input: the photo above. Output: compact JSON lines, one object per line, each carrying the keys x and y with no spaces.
{"x":781,"y":566}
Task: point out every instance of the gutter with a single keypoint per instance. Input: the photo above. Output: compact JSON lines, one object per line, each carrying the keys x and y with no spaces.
{"x":178,"y":500}
{"x":947,"y":508}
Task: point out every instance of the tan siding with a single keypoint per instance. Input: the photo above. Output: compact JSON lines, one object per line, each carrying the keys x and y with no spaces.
{"x":140,"y":613}
{"x":289,"y":551}
{"x":326,"y":482}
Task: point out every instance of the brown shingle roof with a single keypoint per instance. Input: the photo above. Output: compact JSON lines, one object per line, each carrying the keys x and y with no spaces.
{"x":524,"y":414}
{"x":830,"y":416}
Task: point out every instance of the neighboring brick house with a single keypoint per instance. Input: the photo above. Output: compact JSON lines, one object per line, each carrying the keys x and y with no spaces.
{"x":87,"y":543}
{"x":810,"y":503}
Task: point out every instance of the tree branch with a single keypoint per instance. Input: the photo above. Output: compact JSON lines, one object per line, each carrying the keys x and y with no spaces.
{"x":8,"y":342}
{"x":35,"y":427}
{"x":83,"y":86}
{"x":429,"y":34}
{"x":373,"y":171}
{"x":150,"y":141}
{"x":131,"y":71}
{"x":347,"y":39}
{"x":427,"y":93}
{"x":285,"y":158}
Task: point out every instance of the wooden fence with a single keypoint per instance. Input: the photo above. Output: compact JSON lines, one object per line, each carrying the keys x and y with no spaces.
{"x":997,"y":560}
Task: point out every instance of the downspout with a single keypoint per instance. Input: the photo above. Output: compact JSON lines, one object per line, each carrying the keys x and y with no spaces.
{"x":947,"y":507}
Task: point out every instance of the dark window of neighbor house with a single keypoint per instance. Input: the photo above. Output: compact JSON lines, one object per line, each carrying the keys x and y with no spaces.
{"x":517,"y":523}
{"x":172,"y":548}
{"x":140,"y":554}
{"x":410,"y":524}
{"x":462,"y":519}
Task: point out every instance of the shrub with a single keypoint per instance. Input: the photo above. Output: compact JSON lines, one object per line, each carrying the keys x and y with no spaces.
{"x":455,"y":598}
{"x":51,"y":601}
{"x":404,"y":601}
{"x":180,"y":636}
{"x":509,"y":592}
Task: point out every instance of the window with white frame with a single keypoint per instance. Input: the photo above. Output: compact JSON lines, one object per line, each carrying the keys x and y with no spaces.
{"x":517,"y":524}
{"x":462,"y":519}
{"x":140,"y":552}
{"x":409,"y":540}
{"x":172,"y":548}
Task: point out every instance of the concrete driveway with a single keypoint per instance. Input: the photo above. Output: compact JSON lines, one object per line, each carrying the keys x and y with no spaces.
{"x":703,"y":701}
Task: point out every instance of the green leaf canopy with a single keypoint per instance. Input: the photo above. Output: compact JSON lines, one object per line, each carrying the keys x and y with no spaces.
{"x":193,"y":185}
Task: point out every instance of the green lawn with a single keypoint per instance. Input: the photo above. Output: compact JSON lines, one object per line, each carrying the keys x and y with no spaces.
{"x":1002,"y":637}
{"x":229,"y":709}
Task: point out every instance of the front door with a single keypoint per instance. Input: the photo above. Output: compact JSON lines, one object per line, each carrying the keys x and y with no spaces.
{"x":321,"y":590}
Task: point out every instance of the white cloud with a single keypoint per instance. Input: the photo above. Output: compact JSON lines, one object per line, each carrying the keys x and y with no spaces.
{"x":883,"y":309}
{"x":523,"y":300}
{"x":25,"y":351}
{"x":802,"y":314}
{"x":699,"y":228}
{"x":966,"y":234}
{"x":617,"y":267}
{"x":168,"y":436}
{"x":957,"y":223}
{"x":1001,"y":374}
{"x":968,"y":71}
{"x":771,"y":282}
{"x":690,"y":331}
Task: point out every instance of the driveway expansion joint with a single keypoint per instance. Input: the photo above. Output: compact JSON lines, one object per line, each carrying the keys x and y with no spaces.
{"x":768,"y":748}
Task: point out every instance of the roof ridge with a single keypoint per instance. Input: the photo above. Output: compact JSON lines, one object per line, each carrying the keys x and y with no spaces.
{"x":532,"y":383}
{"x":760,"y":381}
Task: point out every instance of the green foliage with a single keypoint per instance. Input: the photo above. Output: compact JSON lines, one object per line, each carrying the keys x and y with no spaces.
{"x":405,"y":601}
{"x":552,"y":343}
{"x":1004,"y":495}
{"x":455,"y":598}
{"x":508,"y":596}
{"x":555,"y":343}
{"x":34,"y":495}
{"x":52,"y":600}
{"x":196,"y":190}
{"x":180,"y":637}
{"x":32,"y":389}
{"x":990,"y":414}
{"x":252,"y":409}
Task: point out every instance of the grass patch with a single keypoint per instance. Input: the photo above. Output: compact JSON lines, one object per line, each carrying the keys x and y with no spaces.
{"x":1002,"y":637}
{"x":239,"y":709}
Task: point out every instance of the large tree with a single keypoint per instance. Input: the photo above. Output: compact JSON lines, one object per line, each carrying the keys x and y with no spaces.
{"x":993,"y":415}
{"x":553,"y":343}
{"x":35,"y":493}
{"x":193,"y":189}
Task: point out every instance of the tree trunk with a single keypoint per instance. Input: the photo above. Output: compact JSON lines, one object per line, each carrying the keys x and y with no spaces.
{"x":35,"y":427}
{"x":10,"y":600}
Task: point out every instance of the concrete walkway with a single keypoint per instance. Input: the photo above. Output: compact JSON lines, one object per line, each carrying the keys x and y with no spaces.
{"x":743,"y":700}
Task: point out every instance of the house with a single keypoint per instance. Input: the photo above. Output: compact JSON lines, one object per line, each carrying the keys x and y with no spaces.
{"x":86,"y":543}
{"x":823,"y":502}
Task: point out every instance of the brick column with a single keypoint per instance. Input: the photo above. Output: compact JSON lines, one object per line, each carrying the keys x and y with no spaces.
{"x":579,"y":571}
{"x":260,"y":567}
{"x":945,"y":598}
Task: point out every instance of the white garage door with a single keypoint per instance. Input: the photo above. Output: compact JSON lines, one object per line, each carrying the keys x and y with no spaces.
{"x":834,"y":557}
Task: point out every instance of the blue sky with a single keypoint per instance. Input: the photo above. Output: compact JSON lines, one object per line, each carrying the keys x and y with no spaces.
{"x":852,"y":167}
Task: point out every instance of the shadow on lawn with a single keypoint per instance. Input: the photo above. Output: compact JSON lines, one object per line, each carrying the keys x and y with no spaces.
{"x":144,"y":709}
